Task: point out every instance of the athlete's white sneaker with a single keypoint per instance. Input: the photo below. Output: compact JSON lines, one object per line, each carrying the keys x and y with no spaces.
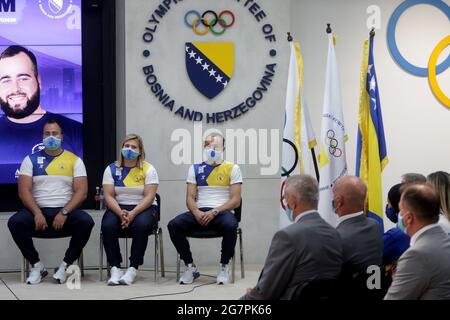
{"x":223,"y":277}
{"x":116,"y":274}
{"x":37,"y":273}
{"x":129,"y":276}
{"x":190,"y":274}
{"x":60,"y":275}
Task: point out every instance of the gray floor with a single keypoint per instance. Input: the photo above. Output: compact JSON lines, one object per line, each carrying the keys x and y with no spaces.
{"x":204,"y":288}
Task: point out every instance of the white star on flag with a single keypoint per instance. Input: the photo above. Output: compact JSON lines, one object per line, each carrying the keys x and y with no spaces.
{"x":373,"y":84}
{"x":374,"y":103}
{"x":198,"y":60}
{"x":369,"y":69}
{"x":219,"y":78}
{"x":187,"y":49}
{"x":225,"y":83}
{"x":205,"y":66}
{"x":212,"y":72}
{"x":192,"y":54}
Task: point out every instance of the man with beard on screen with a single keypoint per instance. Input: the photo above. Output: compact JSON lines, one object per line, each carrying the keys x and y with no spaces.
{"x":21,"y":125}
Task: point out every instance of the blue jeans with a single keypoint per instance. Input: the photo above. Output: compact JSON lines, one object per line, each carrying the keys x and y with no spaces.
{"x":139,"y":230}
{"x":79,"y":225}
{"x":224,"y":223}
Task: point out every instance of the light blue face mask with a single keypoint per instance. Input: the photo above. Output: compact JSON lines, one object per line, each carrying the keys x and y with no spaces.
{"x":400,"y":224}
{"x":212,"y":155}
{"x":289,"y":213}
{"x":51,"y":143}
{"x":129,"y":154}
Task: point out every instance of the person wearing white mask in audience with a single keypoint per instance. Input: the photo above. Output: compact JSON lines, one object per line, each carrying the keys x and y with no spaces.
{"x":213,"y":191}
{"x":129,"y":186}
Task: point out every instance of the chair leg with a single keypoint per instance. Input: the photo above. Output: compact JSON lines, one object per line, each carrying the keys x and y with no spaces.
{"x":27,"y":269}
{"x":81,"y":264}
{"x":233,"y":267}
{"x":156,"y":256}
{"x":178,"y":267}
{"x":161,"y":252}
{"x":22,"y":272}
{"x":242,"y":255}
{"x":100,"y":255}
{"x":126,"y":253}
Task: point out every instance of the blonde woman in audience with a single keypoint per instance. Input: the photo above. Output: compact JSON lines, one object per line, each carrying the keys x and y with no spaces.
{"x":440,"y":181}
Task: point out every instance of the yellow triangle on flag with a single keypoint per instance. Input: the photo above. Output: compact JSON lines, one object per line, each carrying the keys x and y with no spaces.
{"x":220,"y":53}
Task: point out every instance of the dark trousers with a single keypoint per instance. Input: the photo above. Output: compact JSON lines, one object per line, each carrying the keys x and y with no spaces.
{"x":78,"y":225}
{"x":224,"y":223}
{"x":139,"y":230}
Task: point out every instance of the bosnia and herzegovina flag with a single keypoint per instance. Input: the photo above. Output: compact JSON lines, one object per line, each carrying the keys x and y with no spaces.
{"x":210,"y":66}
{"x":371,"y":154}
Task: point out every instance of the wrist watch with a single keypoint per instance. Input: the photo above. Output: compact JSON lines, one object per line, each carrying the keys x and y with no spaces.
{"x":64,"y":211}
{"x":215,"y":212}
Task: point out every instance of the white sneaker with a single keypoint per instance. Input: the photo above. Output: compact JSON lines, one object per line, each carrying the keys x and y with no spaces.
{"x":116,"y":274}
{"x":60,"y":273}
{"x":223,"y":276}
{"x":129,"y":276}
{"x":37,"y":273}
{"x":190,"y":274}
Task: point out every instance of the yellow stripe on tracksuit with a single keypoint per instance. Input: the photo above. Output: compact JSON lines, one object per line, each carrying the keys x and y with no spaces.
{"x":62,"y":165}
{"x":136,"y":176}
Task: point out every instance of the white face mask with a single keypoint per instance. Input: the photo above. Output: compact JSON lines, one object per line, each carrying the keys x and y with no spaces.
{"x":211,"y":155}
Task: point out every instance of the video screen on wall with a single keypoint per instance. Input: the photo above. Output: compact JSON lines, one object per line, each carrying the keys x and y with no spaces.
{"x":40,"y":78}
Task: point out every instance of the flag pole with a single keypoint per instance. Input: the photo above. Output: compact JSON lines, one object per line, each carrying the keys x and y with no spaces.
{"x":313,"y":152}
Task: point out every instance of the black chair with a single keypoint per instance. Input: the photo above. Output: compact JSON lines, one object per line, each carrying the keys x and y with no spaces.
{"x":49,"y":234}
{"x":315,"y":290}
{"x":355,"y":286}
{"x":209,"y":234}
{"x":157,"y":232}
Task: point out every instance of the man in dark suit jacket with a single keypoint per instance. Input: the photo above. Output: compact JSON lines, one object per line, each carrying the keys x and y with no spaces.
{"x":309,"y":249}
{"x":423,"y":271}
{"x":362,"y":240}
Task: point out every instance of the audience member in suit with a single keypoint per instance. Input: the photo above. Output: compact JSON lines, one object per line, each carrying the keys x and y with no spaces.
{"x":362,"y":241}
{"x":308,"y":249}
{"x":395,"y":241}
{"x":423,"y":271}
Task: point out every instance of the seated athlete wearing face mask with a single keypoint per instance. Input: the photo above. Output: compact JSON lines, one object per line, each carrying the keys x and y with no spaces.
{"x":129,"y":186}
{"x":213,"y":191}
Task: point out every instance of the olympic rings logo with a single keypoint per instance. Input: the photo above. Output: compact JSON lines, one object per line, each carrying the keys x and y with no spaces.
{"x":333,"y":144}
{"x":433,"y":69}
{"x":209,"y":24}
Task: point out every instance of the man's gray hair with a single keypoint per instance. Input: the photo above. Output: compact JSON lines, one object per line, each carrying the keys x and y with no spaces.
{"x":413,"y":178}
{"x":304,"y":187}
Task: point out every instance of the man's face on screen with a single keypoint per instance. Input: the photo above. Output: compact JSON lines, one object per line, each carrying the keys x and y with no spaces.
{"x":19,"y":86}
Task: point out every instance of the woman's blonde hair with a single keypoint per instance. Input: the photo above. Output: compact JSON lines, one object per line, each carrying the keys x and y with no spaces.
{"x":140,"y":158}
{"x":440,"y":181}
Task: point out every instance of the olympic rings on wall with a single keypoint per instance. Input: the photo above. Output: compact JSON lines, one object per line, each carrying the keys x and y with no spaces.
{"x":209,"y":21}
{"x":433,"y":69}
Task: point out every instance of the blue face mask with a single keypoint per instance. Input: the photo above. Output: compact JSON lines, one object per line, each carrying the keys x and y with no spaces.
{"x":52,"y":143}
{"x":129,"y":154}
{"x":391,"y":214}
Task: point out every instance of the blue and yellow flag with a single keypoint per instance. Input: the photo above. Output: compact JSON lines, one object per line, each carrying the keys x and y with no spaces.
{"x":371,"y":154}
